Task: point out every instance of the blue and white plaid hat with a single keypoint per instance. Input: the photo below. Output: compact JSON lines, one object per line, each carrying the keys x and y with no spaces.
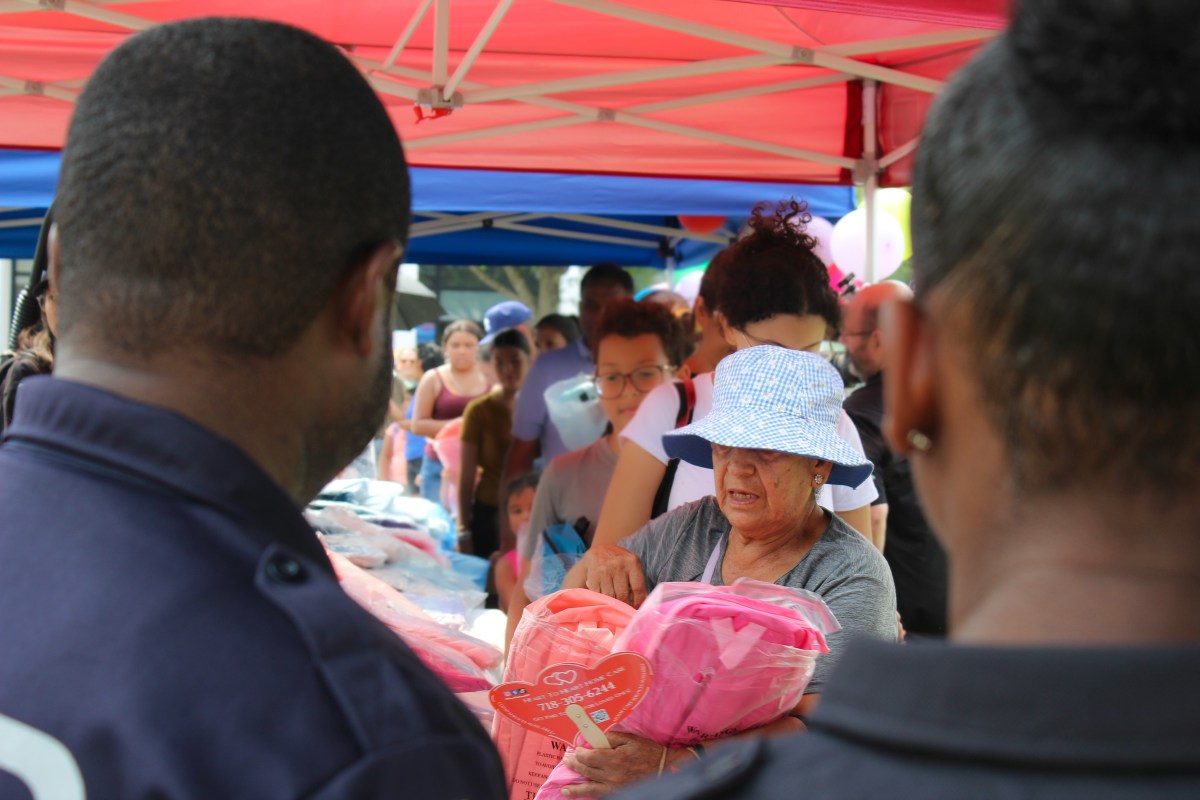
{"x":769,"y":398}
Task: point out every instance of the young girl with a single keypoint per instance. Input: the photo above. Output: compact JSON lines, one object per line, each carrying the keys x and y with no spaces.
{"x":636,"y":349}
{"x":486,"y":435}
{"x":517,"y":503}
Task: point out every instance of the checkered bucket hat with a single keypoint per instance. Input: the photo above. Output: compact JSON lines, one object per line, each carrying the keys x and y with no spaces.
{"x":769,"y":398}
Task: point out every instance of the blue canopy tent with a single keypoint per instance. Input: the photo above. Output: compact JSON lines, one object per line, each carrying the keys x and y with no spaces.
{"x":491,"y":217}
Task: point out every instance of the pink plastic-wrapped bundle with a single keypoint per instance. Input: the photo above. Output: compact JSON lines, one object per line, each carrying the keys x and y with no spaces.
{"x":572,"y":625}
{"x":726,"y":659}
{"x":462,"y":662}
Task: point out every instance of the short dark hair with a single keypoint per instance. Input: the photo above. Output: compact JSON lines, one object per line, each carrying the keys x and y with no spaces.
{"x":710,"y":283}
{"x":430,"y":355}
{"x":607,"y":275}
{"x":628,"y":318}
{"x":461,"y":326}
{"x":220,"y":177}
{"x":567,"y":326}
{"x":512,"y":337}
{"x":1048,"y":229}
{"x":773,"y":270}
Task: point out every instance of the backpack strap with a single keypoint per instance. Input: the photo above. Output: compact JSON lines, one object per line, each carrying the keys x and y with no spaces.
{"x":687,"y":410}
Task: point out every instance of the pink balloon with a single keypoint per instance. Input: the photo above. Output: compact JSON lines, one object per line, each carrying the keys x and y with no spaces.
{"x":821,"y":229}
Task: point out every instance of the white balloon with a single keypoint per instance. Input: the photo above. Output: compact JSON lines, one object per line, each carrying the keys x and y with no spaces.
{"x":849,"y":244}
{"x":821,"y":229}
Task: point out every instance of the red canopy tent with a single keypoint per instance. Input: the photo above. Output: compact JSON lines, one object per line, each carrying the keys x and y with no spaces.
{"x":803,"y":91}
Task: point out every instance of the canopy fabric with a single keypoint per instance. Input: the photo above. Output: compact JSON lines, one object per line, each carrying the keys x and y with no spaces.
{"x":977,"y":13}
{"x":531,"y":218}
{"x":718,"y":89}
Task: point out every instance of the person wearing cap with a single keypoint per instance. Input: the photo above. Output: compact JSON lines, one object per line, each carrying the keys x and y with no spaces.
{"x":771,"y":440}
{"x":502,"y":316}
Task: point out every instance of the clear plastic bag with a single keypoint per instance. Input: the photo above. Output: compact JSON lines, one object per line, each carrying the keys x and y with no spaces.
{"x":558,"y":548}
{"x":574,"y":408}
{"x":571,"y":625}
{"x":463,"y":663}
{"x":726,"y":660}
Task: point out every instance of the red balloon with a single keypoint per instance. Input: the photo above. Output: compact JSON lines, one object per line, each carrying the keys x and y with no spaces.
{"x":701,"y":224}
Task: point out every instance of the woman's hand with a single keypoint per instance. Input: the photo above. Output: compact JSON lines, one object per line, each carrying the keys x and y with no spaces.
{"x":616,"y":572}
{"x":631,"y":759}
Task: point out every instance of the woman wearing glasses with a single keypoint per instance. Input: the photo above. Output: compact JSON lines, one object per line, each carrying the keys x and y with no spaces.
{"x":637,"y":347}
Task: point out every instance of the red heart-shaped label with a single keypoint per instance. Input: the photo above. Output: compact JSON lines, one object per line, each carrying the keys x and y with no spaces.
{"x":608,"y":692}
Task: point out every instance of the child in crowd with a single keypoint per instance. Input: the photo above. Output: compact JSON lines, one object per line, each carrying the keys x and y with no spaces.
{"x":486,"y":434}
{"x":635,"y":347}
{"x":517,"y":503}
{"x":554,"y":332}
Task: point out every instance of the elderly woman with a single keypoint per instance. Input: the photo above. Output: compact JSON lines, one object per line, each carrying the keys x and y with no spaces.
{"x":771,"y":440}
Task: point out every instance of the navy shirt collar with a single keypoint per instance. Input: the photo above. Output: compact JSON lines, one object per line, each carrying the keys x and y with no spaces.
{"x":1110,"y":708}
{"x":160,"y":448}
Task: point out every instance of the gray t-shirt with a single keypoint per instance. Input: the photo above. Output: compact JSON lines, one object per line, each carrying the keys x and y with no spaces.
{"x":572,"y":486}
{"x":842,"y":567}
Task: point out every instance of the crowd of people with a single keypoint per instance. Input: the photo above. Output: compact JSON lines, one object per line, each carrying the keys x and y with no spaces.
{"x":1016,"y":471}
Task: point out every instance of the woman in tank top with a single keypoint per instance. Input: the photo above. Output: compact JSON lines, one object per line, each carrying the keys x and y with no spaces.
{"x":443,"y":394}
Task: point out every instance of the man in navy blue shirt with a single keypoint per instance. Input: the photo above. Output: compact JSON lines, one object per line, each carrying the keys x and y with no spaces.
{"x":232,"y":209}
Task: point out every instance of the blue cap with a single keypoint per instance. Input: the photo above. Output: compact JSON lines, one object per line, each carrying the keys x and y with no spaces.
{"x":503,"y":316}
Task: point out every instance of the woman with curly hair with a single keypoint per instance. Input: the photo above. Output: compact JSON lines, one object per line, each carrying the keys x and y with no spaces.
{"x":773,"y":290}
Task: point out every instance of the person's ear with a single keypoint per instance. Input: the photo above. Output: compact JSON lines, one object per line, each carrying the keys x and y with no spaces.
{"x":53,"y":257}
{"x":910,"y":370}
{"x":726,"y":329}
{"x":364,"y":299}
{"x":822,"y":468}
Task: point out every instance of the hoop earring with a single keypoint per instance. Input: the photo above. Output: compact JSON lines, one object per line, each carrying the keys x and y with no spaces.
{"x":919,"y":441}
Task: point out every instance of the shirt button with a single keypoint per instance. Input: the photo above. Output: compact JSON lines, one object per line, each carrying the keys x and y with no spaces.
{"x":285,"y":569}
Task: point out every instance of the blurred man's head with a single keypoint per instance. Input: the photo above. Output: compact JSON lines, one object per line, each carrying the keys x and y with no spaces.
{"x":408,"y":364}
{"x":861,"y":333}
{"x":228,"y":184}
{"x":601,"y":285}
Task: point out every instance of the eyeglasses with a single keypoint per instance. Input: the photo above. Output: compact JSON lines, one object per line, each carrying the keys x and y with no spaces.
{"x":611,"y":385}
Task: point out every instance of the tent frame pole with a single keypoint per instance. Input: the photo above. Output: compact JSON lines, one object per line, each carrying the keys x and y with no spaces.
{"x":406,"y":34}
{"x":477,"y":46}
{"x":870,"y":88}
{"x":441,"y":43}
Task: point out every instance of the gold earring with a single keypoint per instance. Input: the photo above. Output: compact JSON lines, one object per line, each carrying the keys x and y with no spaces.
{"x":919,"y":441}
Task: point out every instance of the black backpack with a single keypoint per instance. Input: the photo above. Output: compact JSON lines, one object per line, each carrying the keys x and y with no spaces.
{"x":687,"y":408}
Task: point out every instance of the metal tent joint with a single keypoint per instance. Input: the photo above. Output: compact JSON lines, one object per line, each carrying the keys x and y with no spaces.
{"x":433,"y":99}
{"x":864,"y":168}
{"x":803,"y":55}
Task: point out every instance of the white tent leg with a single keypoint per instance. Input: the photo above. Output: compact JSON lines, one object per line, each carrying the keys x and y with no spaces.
{"x":869,"y":152}
{"x":441,"y":42}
